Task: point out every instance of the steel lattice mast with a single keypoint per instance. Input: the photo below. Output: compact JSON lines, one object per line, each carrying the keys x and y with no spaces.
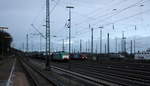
{"x":48,"y":44}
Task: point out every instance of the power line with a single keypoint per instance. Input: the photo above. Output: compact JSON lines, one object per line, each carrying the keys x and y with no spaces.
{"x":53,"y":8}
{"x":118,"y":12}
{"x":121,"y":10}
{"x":38,"y":14}
{"x":99,"y":8}
{"x":122,"y":19}
{"x":41,"y":34}
{"x":129,"y":17}
{"x":88,"y":17}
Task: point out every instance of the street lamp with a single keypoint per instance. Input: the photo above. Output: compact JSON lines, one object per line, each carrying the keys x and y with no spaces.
{"x":101,"y":39}
{"x":69,"y":7}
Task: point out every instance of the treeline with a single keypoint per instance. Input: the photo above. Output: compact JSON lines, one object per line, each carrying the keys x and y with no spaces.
{"x":5,"y":42}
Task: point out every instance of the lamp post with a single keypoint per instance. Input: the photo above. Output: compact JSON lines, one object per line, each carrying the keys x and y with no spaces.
{"x":63,"y":46}
{"x":80,"y":46}
{"x":27,"y":43}
{"x":116,"y":44}
{"x":69,"y":7}
{"x":108,"y":49}
{"x":101,"y":39}
{"x":92,"y":42}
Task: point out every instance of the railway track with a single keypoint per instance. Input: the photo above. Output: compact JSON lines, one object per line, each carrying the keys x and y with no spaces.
{"x":114,"y":77}
{"x":128,"y":70}
{"x":86,"y":78}
{"x":88,"y":81}
{"x":134,"y":65}
{"x":37,"y":77}
{"x":122,"y":75}
{"x":113,"y":74}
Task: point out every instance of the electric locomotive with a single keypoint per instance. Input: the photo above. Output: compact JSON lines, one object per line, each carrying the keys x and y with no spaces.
{"x":60,"y":56}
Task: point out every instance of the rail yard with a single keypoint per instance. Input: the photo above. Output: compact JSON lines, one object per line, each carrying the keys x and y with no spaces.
{"x":74,"y":43}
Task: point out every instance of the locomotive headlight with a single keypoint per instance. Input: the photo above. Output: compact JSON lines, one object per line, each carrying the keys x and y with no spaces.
{"x":65,"y":57}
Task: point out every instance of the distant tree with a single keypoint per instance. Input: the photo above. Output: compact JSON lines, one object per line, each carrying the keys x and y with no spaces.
{"x":5,"y":42}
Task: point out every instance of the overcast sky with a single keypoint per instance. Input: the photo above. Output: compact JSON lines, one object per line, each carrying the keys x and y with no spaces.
{"x":18,"y":15}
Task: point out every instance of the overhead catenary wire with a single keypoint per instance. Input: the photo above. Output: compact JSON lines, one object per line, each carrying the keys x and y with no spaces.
{"x":118,"y":12}
{"x":97,"y":9}
{"x":54,"y":7}
{"x":93,"y":13}
{"x":83,"y":15}
{"x":105,"y":24}
{"x":38,"y":31}
{"x":91,"y":17}
{"x":51,"y":11}
{"x":122,"y":19}
{"x":122,"y":10}
{"x":110,"y":17}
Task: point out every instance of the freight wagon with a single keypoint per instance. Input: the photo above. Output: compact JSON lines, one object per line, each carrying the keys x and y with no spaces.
{"x":77,"y":56}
